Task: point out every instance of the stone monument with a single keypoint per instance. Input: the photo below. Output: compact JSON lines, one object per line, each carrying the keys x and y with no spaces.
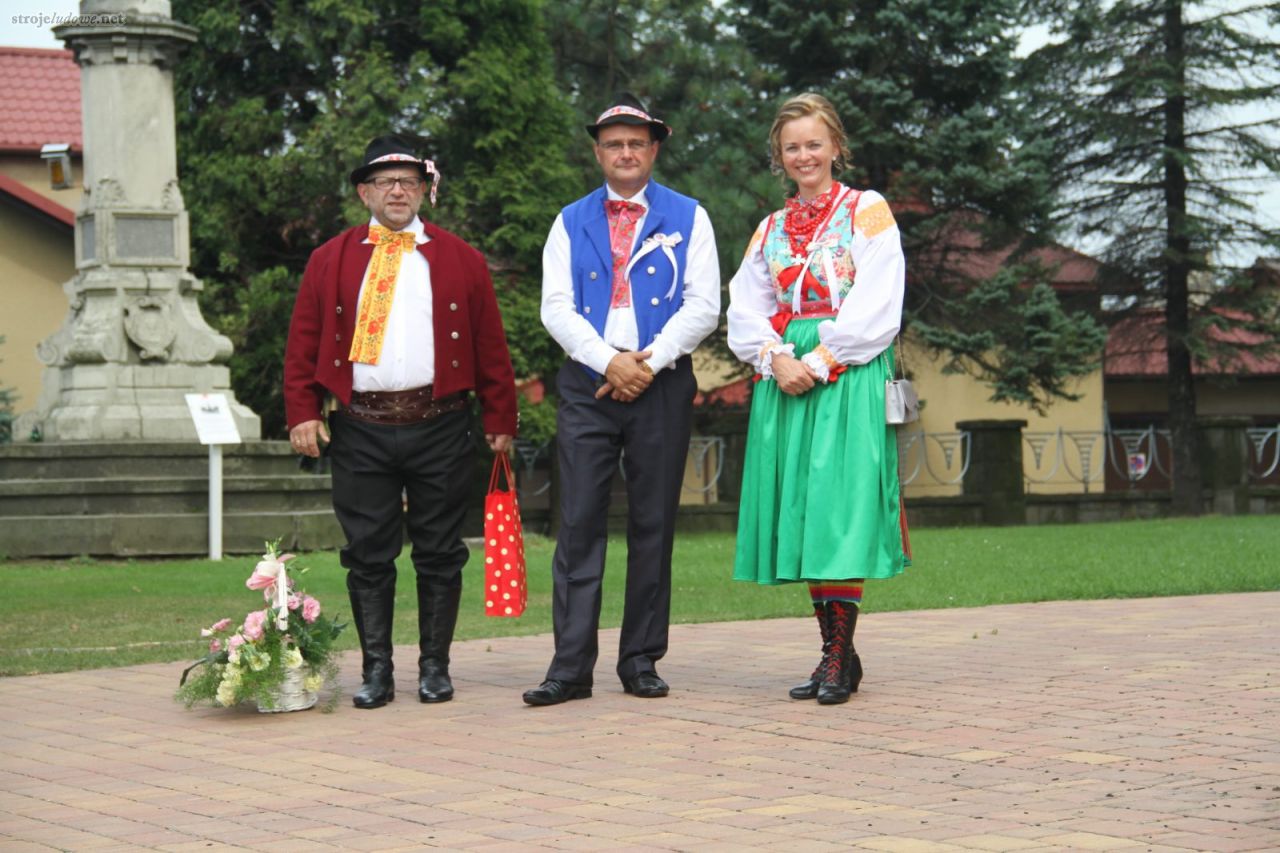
{"x":133,"y":342}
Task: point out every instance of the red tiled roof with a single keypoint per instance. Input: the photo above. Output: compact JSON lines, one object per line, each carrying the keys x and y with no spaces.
{"x":1136,"y":350}
{"x":39,"y":99}
{"x":963,"y":254}
{"x":32,"y":199}
{"x":735,"y":394}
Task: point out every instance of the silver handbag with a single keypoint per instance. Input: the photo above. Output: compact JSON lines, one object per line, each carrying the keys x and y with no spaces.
{"x":901,"y":404}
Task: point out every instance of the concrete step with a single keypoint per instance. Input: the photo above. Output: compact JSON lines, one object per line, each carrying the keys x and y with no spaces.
{"x":98,"y":460}
{"x":175,"y":534}
{"x":162,"y":495}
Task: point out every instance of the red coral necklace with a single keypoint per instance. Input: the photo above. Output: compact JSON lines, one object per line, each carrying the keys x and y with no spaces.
{"x":802,"y":218}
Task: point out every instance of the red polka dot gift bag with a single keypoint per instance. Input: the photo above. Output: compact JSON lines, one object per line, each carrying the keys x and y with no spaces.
{"x":505,"y":592}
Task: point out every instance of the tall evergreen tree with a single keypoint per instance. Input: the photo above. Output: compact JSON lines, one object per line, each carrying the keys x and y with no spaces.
{"x":276,"y":103}
{"x":1157,"y":112}
{"x":925,"y":89}
{"x":682,"y":59}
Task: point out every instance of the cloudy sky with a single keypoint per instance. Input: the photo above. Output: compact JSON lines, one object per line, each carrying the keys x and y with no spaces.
{"x":17,"y":33}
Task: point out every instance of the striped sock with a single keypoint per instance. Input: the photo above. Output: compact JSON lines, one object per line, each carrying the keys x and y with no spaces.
{"x":849,"y":591}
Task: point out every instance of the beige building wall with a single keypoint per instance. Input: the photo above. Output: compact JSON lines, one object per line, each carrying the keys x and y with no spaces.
{"x":32,"y":172}
{"x":36,"y":258}
{"x":932,"y":455}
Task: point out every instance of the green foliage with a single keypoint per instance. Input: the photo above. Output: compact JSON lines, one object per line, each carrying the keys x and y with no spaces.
{"x":278,"y":100}
{"x":275,"y":106}
{"x":537,"y":421}
{"x":1035,"y":368}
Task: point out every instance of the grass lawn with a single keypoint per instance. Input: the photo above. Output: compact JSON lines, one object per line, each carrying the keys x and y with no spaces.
{"x":77,"y":614}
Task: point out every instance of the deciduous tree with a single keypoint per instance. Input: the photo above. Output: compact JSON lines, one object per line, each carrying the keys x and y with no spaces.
{"x":276,"y":103}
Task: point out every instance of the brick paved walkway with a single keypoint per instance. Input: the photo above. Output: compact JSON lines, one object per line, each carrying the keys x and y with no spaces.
{"x":1146,"y":724}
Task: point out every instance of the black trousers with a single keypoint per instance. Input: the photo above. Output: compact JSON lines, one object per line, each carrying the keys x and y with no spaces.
{"x":654,"y":433}
{"x":375,"y":468}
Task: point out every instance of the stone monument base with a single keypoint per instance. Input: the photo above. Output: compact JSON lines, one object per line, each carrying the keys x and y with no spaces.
{"x":122,"y":402}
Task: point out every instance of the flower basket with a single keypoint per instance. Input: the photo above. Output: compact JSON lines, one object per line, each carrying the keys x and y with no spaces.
{"x":278,"y":658}
{"x":291,"y":696}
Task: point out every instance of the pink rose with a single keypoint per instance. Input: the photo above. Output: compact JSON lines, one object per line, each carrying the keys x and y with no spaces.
{"x":235,"y":642}
{"x":215,"y":645}
{"x":310,"y":609}
{"x":295,"y":601}
{"x":253,"y":624}
{"x":221,"y":625}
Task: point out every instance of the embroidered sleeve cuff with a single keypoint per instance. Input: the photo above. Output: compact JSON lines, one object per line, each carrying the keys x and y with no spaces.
{"x":769,"y":350}
{"x":817,"y":364}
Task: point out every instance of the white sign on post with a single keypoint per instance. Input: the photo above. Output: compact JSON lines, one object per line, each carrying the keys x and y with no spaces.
{"x":212,"y":416}
{"x":215,"y":427}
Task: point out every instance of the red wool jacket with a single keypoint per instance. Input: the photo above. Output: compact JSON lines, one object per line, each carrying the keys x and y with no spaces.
{"x":470,"y":345}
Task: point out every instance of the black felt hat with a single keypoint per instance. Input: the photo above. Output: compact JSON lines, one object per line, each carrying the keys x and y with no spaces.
{"x":388,"y":151}
{"x":627,"y":109}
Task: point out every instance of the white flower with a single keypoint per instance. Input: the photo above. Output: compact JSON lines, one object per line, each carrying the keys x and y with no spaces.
{"x":259,"y":662}
{"x":292,"y":658}
{"x":226,"y":693}
{"x":313,"y":682}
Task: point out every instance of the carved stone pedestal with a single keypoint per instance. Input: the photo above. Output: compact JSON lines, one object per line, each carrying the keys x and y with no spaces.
{"x":133,"y":343}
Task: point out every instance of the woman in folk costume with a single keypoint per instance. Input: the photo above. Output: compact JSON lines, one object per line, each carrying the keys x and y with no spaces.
{"x":814,"y":308}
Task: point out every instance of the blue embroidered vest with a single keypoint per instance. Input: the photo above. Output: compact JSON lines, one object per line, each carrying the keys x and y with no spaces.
{"x":656,"y":293}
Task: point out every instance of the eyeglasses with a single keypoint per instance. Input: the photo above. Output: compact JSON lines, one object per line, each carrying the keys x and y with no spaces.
{"x":635,"y":146}
{"x":407,"y":184}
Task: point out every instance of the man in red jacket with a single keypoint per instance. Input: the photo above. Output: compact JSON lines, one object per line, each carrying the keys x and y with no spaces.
{"x":395,"y":326}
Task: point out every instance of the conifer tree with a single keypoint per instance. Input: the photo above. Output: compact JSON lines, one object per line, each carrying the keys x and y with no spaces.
{"x":1162,"y":115}
{"x":925,"y":91}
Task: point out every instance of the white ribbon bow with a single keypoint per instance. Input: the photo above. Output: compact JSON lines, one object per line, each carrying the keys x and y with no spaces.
{"x":821,"y":246}
{"x":271,"y":574}
{"x":667,"y":242}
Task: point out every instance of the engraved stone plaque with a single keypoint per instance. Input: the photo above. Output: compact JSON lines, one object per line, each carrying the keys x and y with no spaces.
{"x":144,"y":237}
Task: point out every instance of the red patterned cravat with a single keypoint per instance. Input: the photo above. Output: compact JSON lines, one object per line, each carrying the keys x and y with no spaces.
{"x":623,"y":216}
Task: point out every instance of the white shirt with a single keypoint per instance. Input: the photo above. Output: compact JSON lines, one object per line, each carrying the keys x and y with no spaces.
{"x":696,"y":317}
{"x":869,"y":315}
{"x":408,"y":357}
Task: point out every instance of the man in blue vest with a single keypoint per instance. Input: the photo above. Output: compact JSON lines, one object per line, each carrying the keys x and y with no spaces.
{"x":630,"y":286}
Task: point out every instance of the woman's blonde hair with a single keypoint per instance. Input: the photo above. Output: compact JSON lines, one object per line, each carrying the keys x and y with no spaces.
{"x":802,"y":106}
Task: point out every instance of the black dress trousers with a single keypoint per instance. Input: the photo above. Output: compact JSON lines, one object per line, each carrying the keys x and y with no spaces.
{"x":652,"y":434}
{"x":376,"y":469}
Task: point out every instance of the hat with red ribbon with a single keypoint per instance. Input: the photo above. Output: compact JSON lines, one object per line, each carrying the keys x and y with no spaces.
{"x":393,"y":150}
{"x":627,"y":109}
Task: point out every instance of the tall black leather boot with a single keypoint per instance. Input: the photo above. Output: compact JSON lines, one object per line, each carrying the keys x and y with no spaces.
{"x":437,"y":616}
{"x":809,"y":689}
{"x":372,"y":611}
{"x":842,"y":670}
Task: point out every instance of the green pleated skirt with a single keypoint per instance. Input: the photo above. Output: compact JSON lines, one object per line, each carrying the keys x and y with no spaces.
{"x":820,"y":498}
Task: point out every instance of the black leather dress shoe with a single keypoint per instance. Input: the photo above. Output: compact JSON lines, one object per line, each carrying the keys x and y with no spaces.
{"x":553,"y":692}
{"x":646,"y":685}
